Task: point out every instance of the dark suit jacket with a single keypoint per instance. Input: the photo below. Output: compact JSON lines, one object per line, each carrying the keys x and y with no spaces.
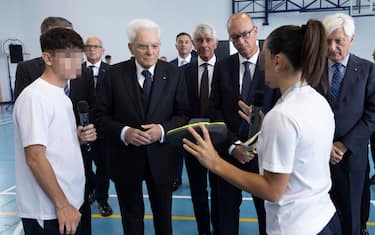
{"x":81,"y":88}
{"x":190,"y":72}
{"x":119,"y":104}
{"x":355,"y":111}
{"x":225,"y":95}
{"x":103,"y":67}
{"x":194,"y":58}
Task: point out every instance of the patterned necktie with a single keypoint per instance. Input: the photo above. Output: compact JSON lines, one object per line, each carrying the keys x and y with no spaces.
{"x":204,"y":90}
{"x":335,"y":84}
{"x":146,"y":84}
{"x":246,"y":80}
{"x":67,"y":89}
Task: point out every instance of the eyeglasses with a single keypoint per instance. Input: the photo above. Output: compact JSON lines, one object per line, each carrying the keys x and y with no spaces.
{"x":95,"y":47}
{"x":244,"y":35}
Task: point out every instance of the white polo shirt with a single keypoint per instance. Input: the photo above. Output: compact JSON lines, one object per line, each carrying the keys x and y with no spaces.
{"x":43,"y":115}
{"x":296,"y":139}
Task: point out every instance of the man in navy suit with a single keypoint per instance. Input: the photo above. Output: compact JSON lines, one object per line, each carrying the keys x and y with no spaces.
{"x":141,"y":99}
{"x":198,"y":75}
{"x":350,"y":90}
{"x":237,"y":77}
{"x":94,"y":51}
{"x":184,"y":46}
{"x":186,"y":55}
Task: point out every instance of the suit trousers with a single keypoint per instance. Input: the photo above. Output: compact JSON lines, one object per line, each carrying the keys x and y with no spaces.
{"x":230,"y":201}
{"x":100,"y":157}
{"x":130,"y":198}
{"x":198,"y":175}
{"x":346,"y":194}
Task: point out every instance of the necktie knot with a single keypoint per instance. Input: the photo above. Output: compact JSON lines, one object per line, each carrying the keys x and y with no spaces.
{"x":246,"y":64}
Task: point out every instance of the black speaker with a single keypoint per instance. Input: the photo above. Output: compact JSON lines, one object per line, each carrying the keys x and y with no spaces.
{"x":15,"y":51}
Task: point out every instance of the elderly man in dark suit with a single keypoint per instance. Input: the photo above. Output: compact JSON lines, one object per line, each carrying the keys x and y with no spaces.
{"x":350,"y":90}
{"x":99,"y":189}
{"x":141,"y":99}
{"x":198,"y":75}
{"x":81,"y":88}
{"x":237,"y":77}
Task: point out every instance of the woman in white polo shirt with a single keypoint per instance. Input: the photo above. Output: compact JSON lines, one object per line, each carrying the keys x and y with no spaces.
{"x":295,"y":141}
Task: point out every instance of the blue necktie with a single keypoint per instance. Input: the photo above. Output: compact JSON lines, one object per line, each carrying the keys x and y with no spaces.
{"x":146,"y":84}
{"x":67,"y":89}
{"x":335,"y":84}
{"x":246,"y":80}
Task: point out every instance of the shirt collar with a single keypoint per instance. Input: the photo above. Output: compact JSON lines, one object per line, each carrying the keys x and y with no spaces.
{"x":140,"y":68}
{"x":211,"y":61}
{"x":187,"y":59}
{"x":97,"y":64}
{"x":343,"y":62}
{"x":253,"y":59}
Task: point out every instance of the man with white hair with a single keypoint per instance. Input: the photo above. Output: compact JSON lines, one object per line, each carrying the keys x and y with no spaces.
{"x":350,"y":90}
{"x":141,"y":99}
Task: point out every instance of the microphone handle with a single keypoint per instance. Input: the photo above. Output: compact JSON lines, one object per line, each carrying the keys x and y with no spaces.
{"x":254,"y":121}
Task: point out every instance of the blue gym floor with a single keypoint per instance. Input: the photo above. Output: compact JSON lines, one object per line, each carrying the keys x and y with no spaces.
{"x":183,"y":216}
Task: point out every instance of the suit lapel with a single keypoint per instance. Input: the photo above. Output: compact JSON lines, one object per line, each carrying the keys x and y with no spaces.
{"x":235,"y":69}
{"x":160,"y":79}
{"x":349,"y":82}
{"x":195,"y":77}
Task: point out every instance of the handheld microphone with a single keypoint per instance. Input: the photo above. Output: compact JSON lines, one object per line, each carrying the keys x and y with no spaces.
{"x":83,"y":112}
{"x":254,"y":115}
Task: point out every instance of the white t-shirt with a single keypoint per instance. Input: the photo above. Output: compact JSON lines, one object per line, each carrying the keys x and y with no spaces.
{"x":43,"y":115}
{"x":296,"y":139}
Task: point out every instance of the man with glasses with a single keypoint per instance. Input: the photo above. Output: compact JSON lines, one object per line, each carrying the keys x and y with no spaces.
{"x":350,"y":90}
{"x":99,"y":182}
{"x":237,"y":77}
{"x":141,"y":99}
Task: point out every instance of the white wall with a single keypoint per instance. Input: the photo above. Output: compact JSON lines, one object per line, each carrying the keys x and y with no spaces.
{"x":108,"y":20}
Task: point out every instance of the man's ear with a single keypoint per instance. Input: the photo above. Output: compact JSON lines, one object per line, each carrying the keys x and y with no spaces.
{"x":47,"y":58}
{"x":130,"y":46}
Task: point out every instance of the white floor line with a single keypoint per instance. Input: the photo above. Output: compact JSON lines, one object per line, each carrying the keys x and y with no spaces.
{"x":6,"y":191}
{"x":18,"y":229}
{"x":185,"y":197}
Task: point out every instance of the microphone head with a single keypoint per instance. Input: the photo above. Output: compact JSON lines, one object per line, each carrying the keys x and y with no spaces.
{"x":258,"y":98}
{"x":83,"y":106}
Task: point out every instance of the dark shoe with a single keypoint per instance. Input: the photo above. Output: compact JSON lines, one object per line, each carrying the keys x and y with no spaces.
{"x":364,"y":231}
{"x":105,"y":209}
{"x":176,"y":183}
{"x":372,"y":180}
{"x":91,"y":197}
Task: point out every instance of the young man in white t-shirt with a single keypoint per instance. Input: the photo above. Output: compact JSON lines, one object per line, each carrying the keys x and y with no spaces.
{"x":49,"y":169}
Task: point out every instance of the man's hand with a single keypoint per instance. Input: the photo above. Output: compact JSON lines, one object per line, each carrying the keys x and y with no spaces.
{"x":137,"y":137}
{"x":245,"y":111}
{"x":86,"y":133}
{"x":68,"y":218}
{"x":242,"y":155}
{"x":154,"y":131}
{"x":204,"y":151}
{"x":337,"y":152}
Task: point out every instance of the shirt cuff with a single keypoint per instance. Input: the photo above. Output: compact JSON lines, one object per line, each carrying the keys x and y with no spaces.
{"x":230,"y":150}
{"x":122,"y":134}
{"x":162,"y":137}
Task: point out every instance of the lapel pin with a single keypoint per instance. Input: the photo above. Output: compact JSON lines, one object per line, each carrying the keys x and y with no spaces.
{"x":355,"y":70}
{"x":164,"y":78}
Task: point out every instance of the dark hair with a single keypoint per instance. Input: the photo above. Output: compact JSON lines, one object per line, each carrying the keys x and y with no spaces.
{"x":185,"y":34}
{"x":60,"y":38}
{"x":53,"y":22}
{"x":305,"y":47}
{"x":107,"y":57}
